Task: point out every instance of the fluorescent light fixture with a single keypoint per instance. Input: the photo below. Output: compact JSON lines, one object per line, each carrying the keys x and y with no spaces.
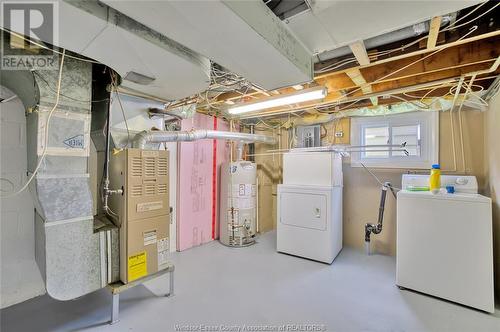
{"x":319,"y":92}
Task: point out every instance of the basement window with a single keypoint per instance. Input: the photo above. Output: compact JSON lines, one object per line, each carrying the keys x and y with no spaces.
{"x":398,"y":141}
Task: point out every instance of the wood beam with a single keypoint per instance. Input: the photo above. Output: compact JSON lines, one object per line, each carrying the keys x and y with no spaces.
{"x":424,"y":78}
{"x":419,"y":65}
{"x":382,"y":101}
{"x":433,"y":31}
{"x":359,"y":50}
{"x":360,"y":81}
{"x":459,"y":42}
{"x":449,"y":63}
{"x":380,"y":78}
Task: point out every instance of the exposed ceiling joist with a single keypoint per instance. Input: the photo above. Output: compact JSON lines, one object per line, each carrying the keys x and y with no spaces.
{"x":433,"y":31}
{"x":418,"y":71}
{"x":387,"y":97}
{"x":358,"y":79}
{"x":419,"y":52}
{"x":359,"y":50}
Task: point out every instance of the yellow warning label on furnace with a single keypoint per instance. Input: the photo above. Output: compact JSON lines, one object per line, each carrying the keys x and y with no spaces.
{"x":137,"y":266}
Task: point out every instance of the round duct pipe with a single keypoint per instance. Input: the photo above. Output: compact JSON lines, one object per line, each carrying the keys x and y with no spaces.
{"x":388,"y":38}
{"x":151,"y":136}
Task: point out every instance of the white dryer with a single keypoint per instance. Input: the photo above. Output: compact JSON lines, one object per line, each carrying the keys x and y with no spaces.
{"x":445,"y":241}
{"x":310,"y":206}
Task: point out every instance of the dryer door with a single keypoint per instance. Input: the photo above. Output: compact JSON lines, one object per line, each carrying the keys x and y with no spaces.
{"x":304,"y":208}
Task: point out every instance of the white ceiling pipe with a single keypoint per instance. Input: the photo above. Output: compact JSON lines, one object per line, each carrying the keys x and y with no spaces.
{"x":151,"y":136}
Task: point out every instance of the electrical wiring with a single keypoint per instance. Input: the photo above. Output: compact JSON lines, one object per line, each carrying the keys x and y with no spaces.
{"x":46,"y":134}
{"x":338,"y":101}
{"x":323,"y":128}
{"x":335,"y":65}
{"x":319,"y":108}
{"x":470,"y":21}
{"x":421,"y":105}
{"x":124,"y":118}
{"x":270,"y":126}
{"x":474,"y":28}
{"x":331,"y":132}
{"x":460,"y":120}
{"x":472,"y":11}
{"x":222,"y":82}
{"x":429,"y":92}
{"x":453,"y":88}
{"x":66,"y":96}
{"x":374,"y":55}
{"x":115,"y":88}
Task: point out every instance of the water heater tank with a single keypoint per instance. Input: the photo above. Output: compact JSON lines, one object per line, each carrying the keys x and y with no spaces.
{"x":238,"y":203}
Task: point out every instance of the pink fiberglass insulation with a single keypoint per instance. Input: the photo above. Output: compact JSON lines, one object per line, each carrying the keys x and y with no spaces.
{"x":199,"y":163}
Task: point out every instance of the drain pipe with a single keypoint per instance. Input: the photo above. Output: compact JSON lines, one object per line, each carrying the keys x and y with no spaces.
{"x":377,"y":228}
{"x":141,"y":139}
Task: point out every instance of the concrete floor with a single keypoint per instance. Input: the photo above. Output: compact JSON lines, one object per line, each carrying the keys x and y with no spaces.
{"x":255,"y":286}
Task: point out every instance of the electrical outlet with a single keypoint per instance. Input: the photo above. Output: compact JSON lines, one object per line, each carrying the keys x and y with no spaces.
{"x":339,"y":134}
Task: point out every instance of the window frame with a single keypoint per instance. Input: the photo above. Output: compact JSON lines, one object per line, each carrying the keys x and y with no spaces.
{"x":429,"y":136}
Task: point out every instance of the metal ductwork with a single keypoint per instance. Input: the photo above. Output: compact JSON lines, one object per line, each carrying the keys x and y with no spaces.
{"x":141,"y":139}
{"x":150,"y":63}
{"x":388,"y":38}
{"x":242,"y":36}
{"x":71,"y":256}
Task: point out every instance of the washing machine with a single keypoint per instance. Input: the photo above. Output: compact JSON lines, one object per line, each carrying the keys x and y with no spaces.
{"x":309,"y":206}
{"x":445,"y":241}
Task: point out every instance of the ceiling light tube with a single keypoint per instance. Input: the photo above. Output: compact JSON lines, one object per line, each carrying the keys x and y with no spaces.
{"x":319,"y":92}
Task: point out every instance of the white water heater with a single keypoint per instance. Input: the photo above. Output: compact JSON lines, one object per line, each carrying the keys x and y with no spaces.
{"x":238,"y":203}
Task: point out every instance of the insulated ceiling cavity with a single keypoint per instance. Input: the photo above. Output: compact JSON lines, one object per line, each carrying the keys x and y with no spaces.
{"x":335,"y":23}
{"x":243,"y":36}
{"x":148,"y":62}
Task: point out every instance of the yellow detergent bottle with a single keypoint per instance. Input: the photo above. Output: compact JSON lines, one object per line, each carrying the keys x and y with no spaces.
{"x":435,"y":179}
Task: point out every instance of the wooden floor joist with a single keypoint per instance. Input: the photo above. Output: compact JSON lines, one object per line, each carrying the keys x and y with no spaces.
{"x":360,"y":81}
{"x":434,"y":27}
{"x":443,"y":62}
{"x":424,"y":51}
{"x":359,"y":50}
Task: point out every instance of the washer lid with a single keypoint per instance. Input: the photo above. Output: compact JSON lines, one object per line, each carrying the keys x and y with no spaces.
{"x":462,"y":183}
{"x":465,"y":197}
